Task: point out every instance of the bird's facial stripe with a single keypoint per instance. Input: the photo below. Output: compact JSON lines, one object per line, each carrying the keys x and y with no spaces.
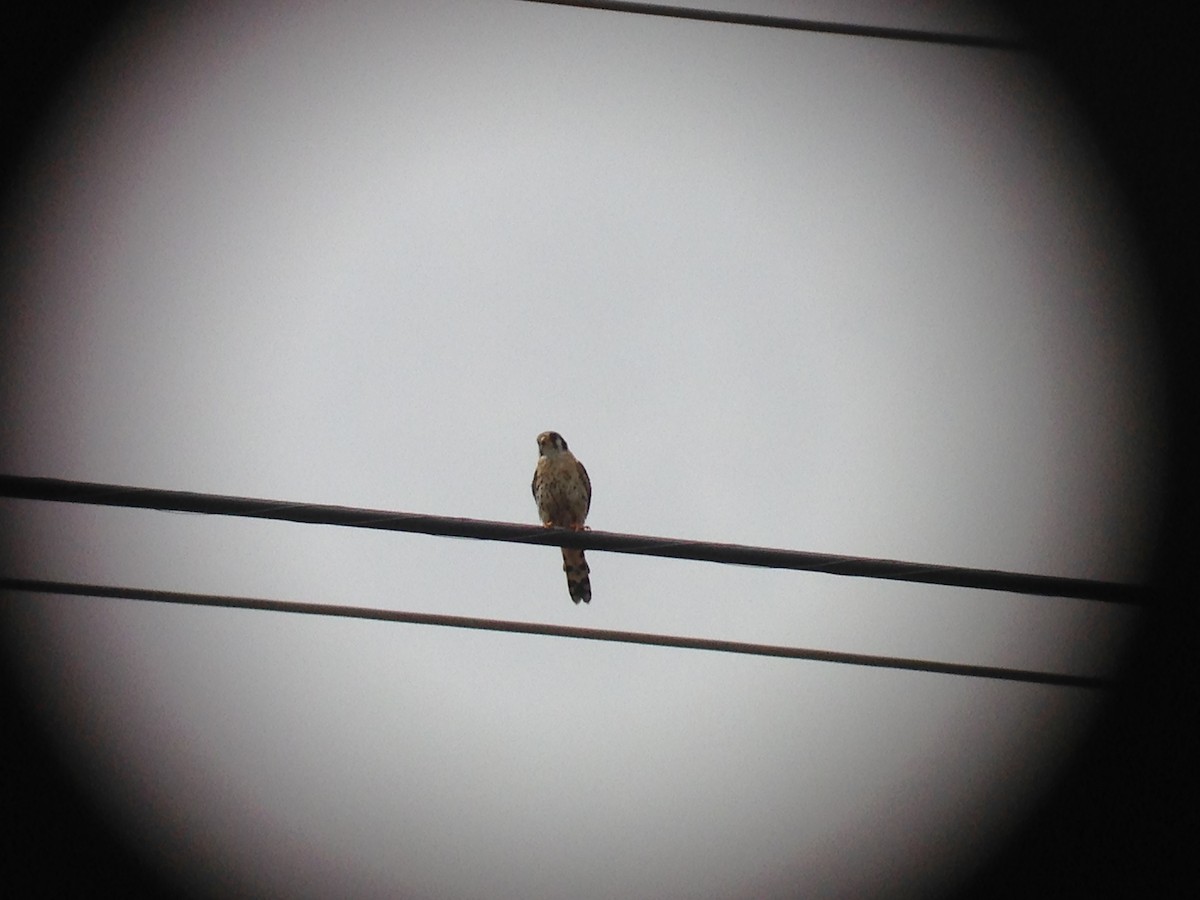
{"x":550,"y":440}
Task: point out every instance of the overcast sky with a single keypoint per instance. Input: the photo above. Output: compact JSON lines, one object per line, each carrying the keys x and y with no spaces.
{"x":807,"y":291}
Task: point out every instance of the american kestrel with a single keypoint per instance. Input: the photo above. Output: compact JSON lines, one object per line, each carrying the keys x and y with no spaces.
{"x":563,"y":493}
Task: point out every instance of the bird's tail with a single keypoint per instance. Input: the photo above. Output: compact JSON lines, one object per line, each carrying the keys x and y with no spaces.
{"x":577,"y":571}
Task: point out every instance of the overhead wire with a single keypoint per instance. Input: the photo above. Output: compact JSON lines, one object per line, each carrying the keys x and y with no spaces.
{"x":1002,"y":673}
{"x":67,"y":491}
{"x":885,"y":32}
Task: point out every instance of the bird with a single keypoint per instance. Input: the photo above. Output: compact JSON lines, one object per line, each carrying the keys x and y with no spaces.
{"x":563,"y":494}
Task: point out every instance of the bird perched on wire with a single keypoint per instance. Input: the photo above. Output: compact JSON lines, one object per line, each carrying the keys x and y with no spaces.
{"x":563,"y":493}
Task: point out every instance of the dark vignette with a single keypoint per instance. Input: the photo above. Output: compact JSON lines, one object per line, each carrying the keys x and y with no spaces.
{"x":1120,"y":822}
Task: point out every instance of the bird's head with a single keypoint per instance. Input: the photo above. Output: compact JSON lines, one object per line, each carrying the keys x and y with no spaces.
{"x":551,"y":443}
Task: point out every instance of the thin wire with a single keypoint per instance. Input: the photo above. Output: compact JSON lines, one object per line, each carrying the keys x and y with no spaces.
{"x":786,"y":22}
{"x":61,"y":490}
{"x":565,"y":631}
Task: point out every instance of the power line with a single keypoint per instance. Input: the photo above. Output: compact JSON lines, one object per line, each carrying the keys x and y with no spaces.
{"x":814,"y":25}
{"x":61,"y":490}
{"x":565,"y":631}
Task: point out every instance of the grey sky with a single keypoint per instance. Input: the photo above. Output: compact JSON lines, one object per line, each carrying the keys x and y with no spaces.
{"x":828,"y":293}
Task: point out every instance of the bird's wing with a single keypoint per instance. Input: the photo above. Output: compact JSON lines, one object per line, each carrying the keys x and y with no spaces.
{"x":587,"y":486}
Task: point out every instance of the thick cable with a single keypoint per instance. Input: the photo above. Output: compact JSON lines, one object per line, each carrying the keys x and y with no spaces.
{"x":61,"y":490}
